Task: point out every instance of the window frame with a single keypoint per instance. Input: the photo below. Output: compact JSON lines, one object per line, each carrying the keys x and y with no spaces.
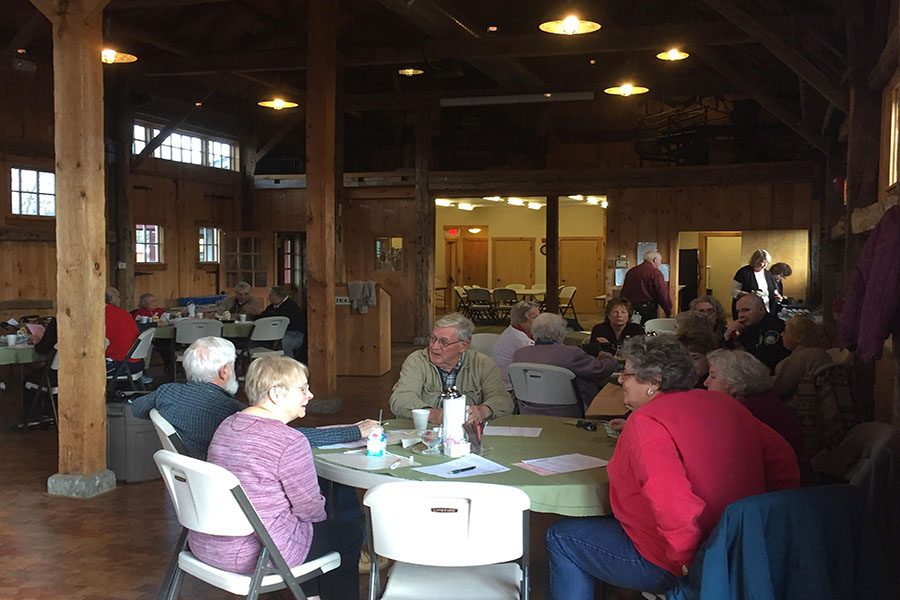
{"x":13,"y":193}
{"x":159,"y":244}
{"x":217,"y":245}
{"x":208,"y":143}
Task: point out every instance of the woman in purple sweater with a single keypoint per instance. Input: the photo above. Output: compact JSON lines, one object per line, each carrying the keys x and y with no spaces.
{"x":274,"y":464}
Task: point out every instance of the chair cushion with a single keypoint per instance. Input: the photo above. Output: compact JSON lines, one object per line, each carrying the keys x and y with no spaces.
{"x":490,"y":582}
{"x":240,"y":584}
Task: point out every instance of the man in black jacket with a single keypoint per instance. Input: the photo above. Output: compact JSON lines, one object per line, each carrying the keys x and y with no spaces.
{"x":757,"y":331}
{"x":281,"y":305}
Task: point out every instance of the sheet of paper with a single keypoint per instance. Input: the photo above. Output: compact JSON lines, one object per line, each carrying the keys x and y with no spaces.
{"x":13,"y":322}
{"x":512,"y":431}
{"x":566,"y":463}
{"x":533,"y":469}
{"x":358,"y":460}
{"x":395,"y":436}
{"x":482,"y":466}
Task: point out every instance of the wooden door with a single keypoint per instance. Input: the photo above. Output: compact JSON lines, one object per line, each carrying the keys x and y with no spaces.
{"x":247,"y":256}
{"x":720,"y":257}
{"x":581,"y":265}
{"x":474,"y":261}
{"x":512,"y":261}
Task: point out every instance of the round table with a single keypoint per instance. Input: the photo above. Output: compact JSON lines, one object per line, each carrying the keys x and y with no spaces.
{"x":576,"y":494}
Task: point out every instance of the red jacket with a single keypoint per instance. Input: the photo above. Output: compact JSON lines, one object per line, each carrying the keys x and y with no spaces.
{"x":121,"y":331}
{"x":681,"y":459}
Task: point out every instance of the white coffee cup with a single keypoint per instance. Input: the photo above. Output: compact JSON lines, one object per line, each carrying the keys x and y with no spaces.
{"x":11,"y":340}
{"x":420,"y":419}
{"x":242,"y":318}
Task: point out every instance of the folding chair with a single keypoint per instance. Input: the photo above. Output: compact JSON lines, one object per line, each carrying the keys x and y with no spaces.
{"x":481,"y":307}
{"x":462,"y":299}
{"x":209,"y":499}
{"x":518,"y":287}
{"x":545,"y":390}
{"x":660,"y":326}
{"x":45,"y":390}
{"x":140,"y":350}
{"x":189,"y":331}
{"x":504,"y":300}
{"x":267,"y":329}
{"x":566,"y":299}
{"x":449,"y":540}
{"x":484,"y":342}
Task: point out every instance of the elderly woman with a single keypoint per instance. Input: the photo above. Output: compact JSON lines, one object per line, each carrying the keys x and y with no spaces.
{"x":740,"y":375}
{"x":609,"y":335}
{"x":753,"y":278}
{"x":711,"y":308}
{"x":698,"y":343}
{"x":779,"y":271}
{"x":802,"y":337}
{"x":274,"y":464}
{"x":670,"y":478}
{"x":549,"y":331}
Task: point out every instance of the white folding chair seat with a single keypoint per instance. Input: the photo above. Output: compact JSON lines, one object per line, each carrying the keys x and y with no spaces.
{"x":209,"y":499}
{"x":267,"y":329}
{"x":484,"y":342}
{"x":449,"y":540}
{"x":545,"y":390}
{"x":659,"y":326}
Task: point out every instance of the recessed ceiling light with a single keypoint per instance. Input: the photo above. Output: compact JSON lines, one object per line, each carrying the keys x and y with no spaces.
{"x":492,"y":198}
{"x":474,"y":229}
{"x":465,"y":206}
{"x":578,"y":197}
{"x":571,"y":25}
{"x":593,"y":61}
{"x":493,"y":29}
{"x":410,"y":71}
{"x":198,"y":104}
{"x":515,"y":201}
{"x":535,"y":205}
{"x":442,"y":202}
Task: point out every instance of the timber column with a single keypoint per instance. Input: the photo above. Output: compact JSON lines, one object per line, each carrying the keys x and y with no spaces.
{"x":80,"y":246}
{"x":321,"y":180}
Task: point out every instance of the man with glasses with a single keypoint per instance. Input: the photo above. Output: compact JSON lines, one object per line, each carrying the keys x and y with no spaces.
{"x":447,"y":362}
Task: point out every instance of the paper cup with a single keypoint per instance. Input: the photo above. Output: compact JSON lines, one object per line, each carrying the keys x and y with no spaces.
{"x":420,"y":419}
{"x":11,"y":340}
{"x":242,"y":318}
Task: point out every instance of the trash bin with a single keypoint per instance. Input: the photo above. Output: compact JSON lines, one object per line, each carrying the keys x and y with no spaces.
{"x":130,"y":444}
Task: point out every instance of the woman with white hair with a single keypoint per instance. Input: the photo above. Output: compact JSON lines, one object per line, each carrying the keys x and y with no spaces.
{"x":753,"y":278}
{"x":274,"y":464}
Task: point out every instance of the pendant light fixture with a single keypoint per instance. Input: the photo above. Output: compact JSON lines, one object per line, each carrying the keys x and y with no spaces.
{"x":570,"y":25}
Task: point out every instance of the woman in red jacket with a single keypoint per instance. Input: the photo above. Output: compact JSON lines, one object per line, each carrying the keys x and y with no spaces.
{"x":682,"y":457}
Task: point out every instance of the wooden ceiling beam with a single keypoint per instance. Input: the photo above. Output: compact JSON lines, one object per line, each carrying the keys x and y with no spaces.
{"x":782,"y":50}
{"x":279,"y":135}
{"x":24,"y":35}
{"x":132,"y":4}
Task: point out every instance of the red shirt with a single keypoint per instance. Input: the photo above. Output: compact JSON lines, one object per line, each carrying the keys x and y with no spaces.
{"x":681,"y":459}
{"x":645,"y":283}
{"x":121,"y":331}
{"x":147,"y":312}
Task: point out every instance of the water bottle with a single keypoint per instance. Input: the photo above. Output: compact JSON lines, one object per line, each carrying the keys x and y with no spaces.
{"x":376,"y":443}
{"x":192,"y":309}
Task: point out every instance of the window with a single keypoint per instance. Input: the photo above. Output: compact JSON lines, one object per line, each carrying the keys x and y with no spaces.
{"x":209,"y":245}
{"x":33,"y":193}
{"x":148,"y":243}
{"x":188,"y":147}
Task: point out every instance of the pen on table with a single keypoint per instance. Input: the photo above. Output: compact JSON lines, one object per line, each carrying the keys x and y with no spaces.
{"x":463,"y":470}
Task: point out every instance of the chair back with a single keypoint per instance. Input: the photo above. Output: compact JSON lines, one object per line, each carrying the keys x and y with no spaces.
{"x":519,"y":287}
{"x":269,"y":329}
{"x":484,"y":342}
{"x":54,"y":364}
{"x":460,"y":294}
{"x":505,"y":295}
{"x":566,"y":293}
{"x":479,"y":296}
{"x":660,"y":326}
{"x":543,"y":384}
{"x":203,"y":495}
{"x":189,"y":331}
{"x":167,"y":435}
{"x":539,"y":287}
{"x":142,"y":346}
{"x":448,"y":524}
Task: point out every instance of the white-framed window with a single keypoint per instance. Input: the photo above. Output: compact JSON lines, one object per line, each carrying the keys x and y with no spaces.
{"x":148,"y":243}
{"x":209,"y":244}
{"x":33,"y":192}
{"x":188,"y":147}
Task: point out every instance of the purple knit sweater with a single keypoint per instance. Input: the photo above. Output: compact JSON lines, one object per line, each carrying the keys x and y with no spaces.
{"x":274,"y":464}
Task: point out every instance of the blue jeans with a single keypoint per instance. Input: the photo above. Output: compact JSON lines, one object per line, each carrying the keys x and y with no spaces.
{"x":584,"y":550}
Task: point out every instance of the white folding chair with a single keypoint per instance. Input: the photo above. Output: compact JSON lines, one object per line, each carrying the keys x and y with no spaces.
{"x":566,"y":300}
{"x":518,"y":287}
{"x":168,"y":437}
{"x":140,"y":350}
{"x":449,"y":540}
{"x":658,"y":326}
{"x":267,"y":329}
{"x":545,"y":390}
{"x":189,"y":331}
{"x":484,"y":342}
{"x":47,"y":388}
{"x":209,"y":499}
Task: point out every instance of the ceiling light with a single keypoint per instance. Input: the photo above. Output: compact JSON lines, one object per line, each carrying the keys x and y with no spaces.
{"x":493,"y":29}
{"x":604,"y":203}
{"x":278,"y":103}
{"x":410,"y":71}
{"x":110,"y":56}
{"x":672,"y":54}
{"x":20,"y":51}
{"x":465,"y":206}
{"x":578,"y":197}
{"x":442,"y":202}
{"x":198,"y":104}
{"x":535,"y":205}
{"x":515,"y":201}
{"x":492,"y":198}
{"x":626,"y":89}
{"x":593,"y":61}
{"x":592,"y":200}
{"x":571,"y":25}
{"x":474,"y":229}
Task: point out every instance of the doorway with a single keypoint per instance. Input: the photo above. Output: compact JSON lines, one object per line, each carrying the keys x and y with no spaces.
{"x":581,"y":264}
{"x":720,"y":257}
{"x":290,"y":260}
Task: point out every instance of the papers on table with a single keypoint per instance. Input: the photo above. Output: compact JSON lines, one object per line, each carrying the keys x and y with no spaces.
{"x":512,"y":431}
{"x":565,"y":463}
{"x":473,"y":465}
{"x":358,"y":459}
{"x":13,"y":322}
{"x":395,"y":436}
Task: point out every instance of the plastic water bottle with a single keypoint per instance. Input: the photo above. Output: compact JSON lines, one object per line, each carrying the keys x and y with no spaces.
{"x":192,"y":309}
{"x":376,"y":443}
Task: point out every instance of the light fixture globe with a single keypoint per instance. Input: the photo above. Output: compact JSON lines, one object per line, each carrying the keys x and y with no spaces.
{"x":672,"y":54}
{"x":409,"y":71}
{"x":110,"y":56}
{"x":571,"y":25}
{"x":277,"y":103}
{"x":626,"y":89}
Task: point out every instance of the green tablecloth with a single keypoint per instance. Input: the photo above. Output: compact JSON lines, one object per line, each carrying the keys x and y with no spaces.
{"x":229,"y":330}
{"x":18,"y":355}
{"x":577,"y":494}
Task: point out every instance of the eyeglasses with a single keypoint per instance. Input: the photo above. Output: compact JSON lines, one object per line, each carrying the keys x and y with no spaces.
{"x":442,"y":342}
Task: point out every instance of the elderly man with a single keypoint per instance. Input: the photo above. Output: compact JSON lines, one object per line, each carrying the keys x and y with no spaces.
{"x":242,"y":303}
{"x":196,"y":408}
{"x":447,"y":362}
{"x":517,"y":335}
{"x":281,"y":305}
{"x":646,"y":288}
{"x":757,"y":331}
{"x":549,"y":331}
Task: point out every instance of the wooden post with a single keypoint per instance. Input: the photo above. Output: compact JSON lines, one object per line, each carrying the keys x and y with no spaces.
{"x":320,"y":184}
{"x":80,"y":246}
{"x":551,"y":298}
{"x":425,"y":223}
{"x":121,"y":196}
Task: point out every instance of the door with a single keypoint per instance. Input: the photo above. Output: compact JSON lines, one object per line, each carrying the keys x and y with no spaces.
{"x":512,"y":261}
{"x":688,"y":276}
{"x":581,"y":265}
{"x":720,"y":256}
{"x":247,"y":256}
{"x":474,"y":262}
{"x":290,"y":270}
